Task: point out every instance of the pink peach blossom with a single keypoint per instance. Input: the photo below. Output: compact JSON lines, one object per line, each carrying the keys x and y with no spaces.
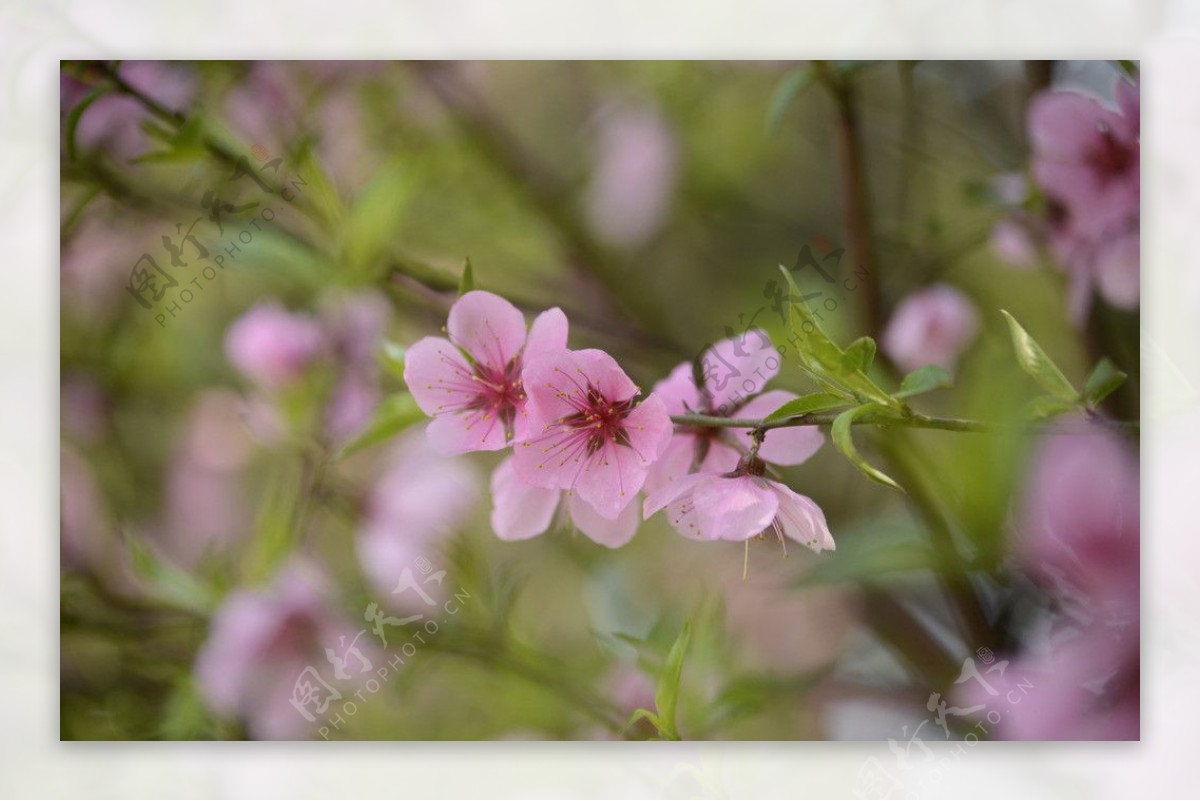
{"x":421,"y":499}
{"x":521,"y":511}
{"x":271,"y":346}
{"x":734,"y":371}
{"x":259,"y":644}
{"x":932,"y":326}
{"x":739,"y":505}
{"x":586,"y":433}
{"x":471,"y":384}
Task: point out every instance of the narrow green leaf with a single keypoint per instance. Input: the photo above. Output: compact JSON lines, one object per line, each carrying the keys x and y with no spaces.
{"x":1104,"y":379}
{"x":467,"y":282}
{"x":1046,"y":406}
{"x":859,"y":355}
{"x":787,"y":91}
{"x":646,"y":714}
{"x":666,"y":699}
{"x":393,"y":416}
{"x":842,"y":440}
{"x":807,"y":404}
{"x":374,"y":217}
{"x":922,"y":380}
{"x":1037,"y":364}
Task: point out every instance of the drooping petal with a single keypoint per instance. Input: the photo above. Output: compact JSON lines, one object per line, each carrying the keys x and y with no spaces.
{"x":463,"y":432}
{"x":599,"y":529}
{"x":438,"y":376}
{"x":676,"y":461}
{"x":720,"y":458}
{"x":783,"y":446}
{"x":488,"y":327}
{"x":1118,"y":271}
{"x":672,"y":492}
{"x":547,"y":334}
{"x":801,"y":519}
{"x":519,"y":510}
{"x":733,"y":508}
{"x":738,"y":367}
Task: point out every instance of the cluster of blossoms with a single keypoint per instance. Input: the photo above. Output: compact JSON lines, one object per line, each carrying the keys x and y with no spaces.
{"x":575,"y":424}
{"x":1087,"y":163}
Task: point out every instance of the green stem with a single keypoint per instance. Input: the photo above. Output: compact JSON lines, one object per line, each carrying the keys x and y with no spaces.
{"x":913,"y":420}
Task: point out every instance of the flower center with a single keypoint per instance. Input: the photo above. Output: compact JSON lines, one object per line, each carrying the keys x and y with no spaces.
{"x":601,"y":420}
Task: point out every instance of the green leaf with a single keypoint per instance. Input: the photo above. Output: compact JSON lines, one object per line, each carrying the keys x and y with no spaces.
{"x":467,"y":282}
{"x":1046,"y":406}
{"x":859,"y":355}
{"x":842,"y":440}
{"x":807,"y":404}
{"x":374,"y":217}
{"x":392,"y":357}
{"x":922,"y":380}
{"x":823,"y":360}
{"x":393,"y":416}
{"x":1036,"y":363}
{"x":788,"y":90}
{"x":645,"y":714}
{"x":666,"y":699}
{"x":1104,"y":379}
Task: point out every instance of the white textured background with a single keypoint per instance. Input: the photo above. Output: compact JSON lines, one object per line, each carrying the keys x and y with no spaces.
{"x":34,"y":35}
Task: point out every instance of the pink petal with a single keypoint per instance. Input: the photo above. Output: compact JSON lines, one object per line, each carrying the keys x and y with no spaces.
{"x":931,"y":326}
{"x":739,"y":367}
{"x":611,"y":483}
{"x":679,"y":392}
{"x":519,"y":510}
{"x":733,"y":508}
{"x":547,"y":334}
{"x":674,"y":491}
{"x":475,"y":430}
{"x":609,"y":533}
{"x":488,"y":327}
{"x":721,"y":457}
{"x":649,"y":429}
{"x":1063,"y":125}
{"x":801,"y":519}
{"x":784,"y":446}
{"x":437,"y":375}
{"x":1118,"y":271}
{"x":676,"y":461}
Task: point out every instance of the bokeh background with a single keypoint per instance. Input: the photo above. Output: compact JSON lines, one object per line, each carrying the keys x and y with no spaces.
{"x":652,"y":202}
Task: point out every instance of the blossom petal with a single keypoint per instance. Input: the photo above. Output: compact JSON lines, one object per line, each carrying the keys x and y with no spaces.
{"x":721,"y":457}
{"x":1118,"y":271}
{"x":679,"y":392}
{"x":548,"y":334}
{"x":463,"y":432}
{"x":488,"y":327}
{"x":649,"y":429}
{"x":676,"y":461}
{"x":672,"y":492}
{"x":438,"y":376}
{"x":801,"y":519}
{"x":784,"y":446}
{"x":738,"y":367}
{"x":609,"y":533}
{"x":733,"y":508}
{"x":557,"y":383}
{"x":611,"y":478}
{"x":519,"y":510}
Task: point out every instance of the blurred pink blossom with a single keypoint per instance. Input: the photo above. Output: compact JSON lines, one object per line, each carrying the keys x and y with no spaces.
{"x":521,"y":511}
{"x":735,"y":371}
{"x":931,"y":326}
{"x":419,"y":501}
{"x":271,"y":346}
{"x":634,"y":177}
{"x":479,"y":404}
{"x":1013,"y":240}
{"x":586,"y":433}
{"x":355,"y":325}
{"x":261,"y":642}
{"x":740,"y":505}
